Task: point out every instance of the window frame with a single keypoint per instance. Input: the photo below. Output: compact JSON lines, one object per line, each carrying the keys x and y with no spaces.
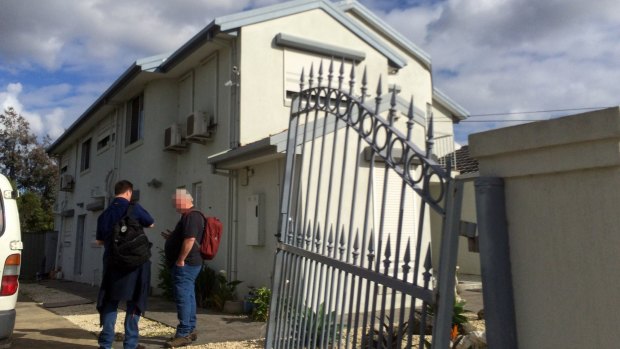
{"x":134,"y":121}
{"x":85,"y":155}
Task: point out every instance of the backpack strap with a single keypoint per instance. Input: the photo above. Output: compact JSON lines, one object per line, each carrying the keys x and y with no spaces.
{"x":204,"y":218}
{"x":129,"y":209}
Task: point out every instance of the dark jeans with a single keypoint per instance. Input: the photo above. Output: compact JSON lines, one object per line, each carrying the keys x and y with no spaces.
{"x":132,"y":316}
{"x":183,"y":281}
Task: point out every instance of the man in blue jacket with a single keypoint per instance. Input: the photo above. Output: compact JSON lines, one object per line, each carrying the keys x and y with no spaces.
{"x":121,"y":285}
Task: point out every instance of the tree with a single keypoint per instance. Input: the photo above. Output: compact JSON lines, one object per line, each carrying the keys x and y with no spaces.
{"x":33,"y":172}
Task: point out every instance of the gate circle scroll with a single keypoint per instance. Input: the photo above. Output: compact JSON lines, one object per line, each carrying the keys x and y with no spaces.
{"x":393,"y":146}
{"x":366,"y":124}
{"x":412,"y":160}
{"x":430,"y":177}
{"x":343,"y":106}
{"x":355,"y":115}
{"x":381,"y":136}
{"x":332,"y":95}
{"x":322,"y":99}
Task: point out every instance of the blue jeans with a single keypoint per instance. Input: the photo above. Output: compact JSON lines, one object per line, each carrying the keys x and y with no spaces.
{"x":183,"y":281}
{"x":132,"y":316}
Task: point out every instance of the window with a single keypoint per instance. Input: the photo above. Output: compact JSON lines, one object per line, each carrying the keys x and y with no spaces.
{"x":103,"y":143}
{"x":197,"y":195}
{"x":135,"y":120}
{"x":85,"y":163}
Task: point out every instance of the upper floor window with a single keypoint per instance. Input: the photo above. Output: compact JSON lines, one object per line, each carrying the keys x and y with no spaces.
{"x":85,"y":160}
{"x":135,"y":120}
{"x":197,"y":195}
{"x":103,"y":143}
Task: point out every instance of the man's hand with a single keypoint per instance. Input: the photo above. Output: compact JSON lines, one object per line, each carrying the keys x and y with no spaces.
{"x":180,"y":263}
{"x":165,"y":234}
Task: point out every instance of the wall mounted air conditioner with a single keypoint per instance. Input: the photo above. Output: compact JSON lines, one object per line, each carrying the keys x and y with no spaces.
{"x":200,"y":127}
{"x":173,"y":139}
{"x":66,"y":182}
{"x":96,"y":192}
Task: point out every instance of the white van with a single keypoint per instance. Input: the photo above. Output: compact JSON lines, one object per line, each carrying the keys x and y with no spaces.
{"x":10,"y":259}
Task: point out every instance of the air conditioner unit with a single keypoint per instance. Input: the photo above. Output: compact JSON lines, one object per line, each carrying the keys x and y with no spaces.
{"x":66,"y":182}
{"x":96,"y":192}
{"x":200,"y":127}
{"x":173,"y":139}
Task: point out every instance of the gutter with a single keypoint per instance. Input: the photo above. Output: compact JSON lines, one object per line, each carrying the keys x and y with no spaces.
{"x":205,"y":35}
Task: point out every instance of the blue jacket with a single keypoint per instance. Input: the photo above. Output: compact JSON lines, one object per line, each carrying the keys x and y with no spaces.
{"x":116,"y":285}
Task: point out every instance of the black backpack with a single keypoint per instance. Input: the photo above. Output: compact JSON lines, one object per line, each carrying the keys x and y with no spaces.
{"x":130,"y":248}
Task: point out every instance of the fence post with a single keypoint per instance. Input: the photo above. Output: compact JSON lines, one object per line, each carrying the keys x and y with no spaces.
{"x":499,"y":311}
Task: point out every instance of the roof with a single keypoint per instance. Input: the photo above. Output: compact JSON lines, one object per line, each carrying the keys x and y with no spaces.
{"x":458,"y":112}
{"x":230,"y":23}
{"x":382,"y":27}
{"x":464,"y":162}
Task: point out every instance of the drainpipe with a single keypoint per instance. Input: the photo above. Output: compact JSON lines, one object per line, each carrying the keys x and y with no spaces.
{"x":498,"y":296}
{"x":233,"y":204}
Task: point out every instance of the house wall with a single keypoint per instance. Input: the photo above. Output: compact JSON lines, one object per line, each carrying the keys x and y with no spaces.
{"x":255,"y":262}
{"x":259,"y":119}
{"x":145,"y":160}
{"x":561,"y":188}
{"x":263,"y":110}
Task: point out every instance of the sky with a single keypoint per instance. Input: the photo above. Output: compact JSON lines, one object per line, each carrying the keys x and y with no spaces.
{"x":509,"y":58}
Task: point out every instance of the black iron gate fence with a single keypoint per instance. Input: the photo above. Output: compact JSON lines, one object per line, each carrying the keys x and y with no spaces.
{"x":353,"y":267}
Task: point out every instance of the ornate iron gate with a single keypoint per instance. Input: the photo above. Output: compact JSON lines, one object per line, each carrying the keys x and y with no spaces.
{"x":353,"y":266}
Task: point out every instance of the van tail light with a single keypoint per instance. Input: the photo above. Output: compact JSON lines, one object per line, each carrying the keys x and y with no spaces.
{"x":10,"y":275}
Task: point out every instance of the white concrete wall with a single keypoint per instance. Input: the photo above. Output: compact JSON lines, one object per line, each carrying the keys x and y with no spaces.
{"x":145,"y":160}
{"x":262,"y":82}
{"x":562,"y":193}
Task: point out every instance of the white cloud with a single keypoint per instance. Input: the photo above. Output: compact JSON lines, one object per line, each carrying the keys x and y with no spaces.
{"x":91,"y":34}
{"x":41,"y":124}
{"x":518,"y":55}
{"x":488,"y":55}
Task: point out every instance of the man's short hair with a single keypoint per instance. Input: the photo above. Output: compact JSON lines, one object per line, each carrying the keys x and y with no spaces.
{"x":183,"y":193}
{"x":122,"y":186}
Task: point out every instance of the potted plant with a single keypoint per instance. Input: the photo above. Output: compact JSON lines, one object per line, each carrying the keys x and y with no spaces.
{"x":225,"y":296}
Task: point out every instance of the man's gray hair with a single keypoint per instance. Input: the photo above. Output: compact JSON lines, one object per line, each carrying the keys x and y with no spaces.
{"x":183,"y":192}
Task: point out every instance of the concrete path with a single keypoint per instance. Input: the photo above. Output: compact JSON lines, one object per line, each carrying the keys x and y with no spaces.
{"x":36,"y":327}
{"x":212,"y":327}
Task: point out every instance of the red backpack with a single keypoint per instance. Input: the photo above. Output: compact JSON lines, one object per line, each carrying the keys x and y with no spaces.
{"x":211,"y":237}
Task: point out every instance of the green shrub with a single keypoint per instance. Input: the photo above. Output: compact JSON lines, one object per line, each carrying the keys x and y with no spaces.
{"x":164,"y":276}
{"x":206,"y":285}
{"x":224,"y":291}
{"x":261,"y":298}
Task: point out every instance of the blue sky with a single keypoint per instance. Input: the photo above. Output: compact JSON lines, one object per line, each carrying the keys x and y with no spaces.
{"x":491,"y":56}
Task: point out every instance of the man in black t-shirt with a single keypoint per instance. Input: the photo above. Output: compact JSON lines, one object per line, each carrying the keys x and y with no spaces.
{"x":183,"y":258}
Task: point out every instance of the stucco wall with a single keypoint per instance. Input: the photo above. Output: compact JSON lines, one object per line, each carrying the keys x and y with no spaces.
{"x":262,"y":81}
{"x":561,"y":187}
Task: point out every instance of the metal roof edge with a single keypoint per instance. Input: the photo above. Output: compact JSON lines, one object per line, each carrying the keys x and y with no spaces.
{"x":340,"y":15}
{"x":122,"y":81}
{"x":459,"y":112}
{"x":386,"y":29}
{"x":182,"y":52}
{"x":153,"y":62}
{"x":241,"y":19}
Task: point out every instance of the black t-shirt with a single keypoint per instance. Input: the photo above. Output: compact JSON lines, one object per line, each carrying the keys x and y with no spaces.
{"x":190,"y":225}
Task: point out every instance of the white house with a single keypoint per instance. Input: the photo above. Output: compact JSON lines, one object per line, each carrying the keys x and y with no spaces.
{"x":212,"y":117}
